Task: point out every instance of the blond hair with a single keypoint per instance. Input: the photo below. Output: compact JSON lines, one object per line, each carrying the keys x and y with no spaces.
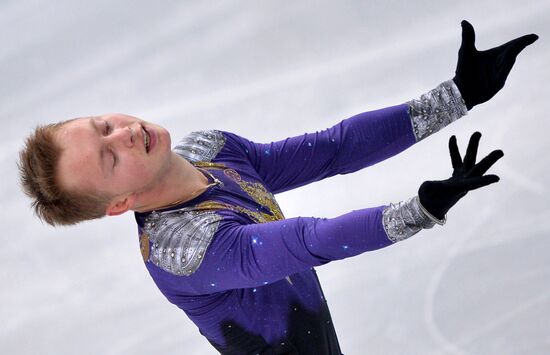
{"x":38,"y":162}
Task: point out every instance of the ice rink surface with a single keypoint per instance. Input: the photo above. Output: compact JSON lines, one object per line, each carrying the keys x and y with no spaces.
{"x":268,"y":70}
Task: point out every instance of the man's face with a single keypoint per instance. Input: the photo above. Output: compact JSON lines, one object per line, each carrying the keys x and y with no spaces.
{"x":108,"y":154}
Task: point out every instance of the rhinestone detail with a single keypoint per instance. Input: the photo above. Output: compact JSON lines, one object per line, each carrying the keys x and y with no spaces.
{"x":181,"y":240}
{"x":200,"y":145}
{"x":436,"y":109}
{"x":405,"y":219}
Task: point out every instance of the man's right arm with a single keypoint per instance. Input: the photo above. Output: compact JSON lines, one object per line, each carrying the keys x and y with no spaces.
{"x":243,"y":256}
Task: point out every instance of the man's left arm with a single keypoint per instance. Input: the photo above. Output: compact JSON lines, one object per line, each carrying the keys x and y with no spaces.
{"x":354,"y":143}
{"x":370,"y":137}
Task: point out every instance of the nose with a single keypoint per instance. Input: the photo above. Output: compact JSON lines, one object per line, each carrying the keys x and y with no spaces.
{"x":123,"y":136}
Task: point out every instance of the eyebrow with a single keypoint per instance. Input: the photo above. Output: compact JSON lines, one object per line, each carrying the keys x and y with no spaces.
{"x":101,"y":151}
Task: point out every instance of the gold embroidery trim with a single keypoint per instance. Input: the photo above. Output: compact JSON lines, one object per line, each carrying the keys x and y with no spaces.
{"x":256,"y":190}
{"x":265,"y":198}
{"x":144,"y":246}
{"x":208,"y":164}
{"x":258,"y":217}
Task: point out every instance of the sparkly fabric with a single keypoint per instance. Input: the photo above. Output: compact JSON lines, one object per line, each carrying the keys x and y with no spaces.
{"x":256,"y":216}
{"x":436,"y":109}
{"x":255,"y":190}
{"x":405,"y":219}
{"x":200,"y":145}
{"x":254,"y":289}
{"x":178,"y":239}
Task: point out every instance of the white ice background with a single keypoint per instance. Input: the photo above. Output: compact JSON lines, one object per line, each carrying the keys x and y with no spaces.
{"x":267,"y":70}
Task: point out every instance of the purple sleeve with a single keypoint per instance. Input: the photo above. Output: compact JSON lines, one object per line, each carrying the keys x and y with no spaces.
{"x":242,"y":256}
{"x":354,"y":143}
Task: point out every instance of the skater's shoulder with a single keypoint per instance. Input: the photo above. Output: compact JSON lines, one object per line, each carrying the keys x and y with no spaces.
{"x":176,"y":240}
{"x":203,"y":145}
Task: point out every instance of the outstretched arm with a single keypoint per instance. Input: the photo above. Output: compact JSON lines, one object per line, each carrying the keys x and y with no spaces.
{"x":354,"y":143}
{"x":203,"y":252}
{"x":370,"y":137}
{"x":242,"y":256}
{"x":251,"y":255}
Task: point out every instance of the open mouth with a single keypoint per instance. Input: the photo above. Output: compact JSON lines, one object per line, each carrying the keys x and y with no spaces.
{"x":146,"y":139}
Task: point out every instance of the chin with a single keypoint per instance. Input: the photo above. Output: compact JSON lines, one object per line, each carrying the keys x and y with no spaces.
{"x":165,"y":137}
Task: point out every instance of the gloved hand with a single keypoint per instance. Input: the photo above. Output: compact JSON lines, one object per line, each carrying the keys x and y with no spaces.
{"x":481,"y":74}
{"x":438,"y":197}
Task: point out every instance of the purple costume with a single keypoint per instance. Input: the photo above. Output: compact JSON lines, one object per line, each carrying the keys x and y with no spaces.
{"x":241,"y":271}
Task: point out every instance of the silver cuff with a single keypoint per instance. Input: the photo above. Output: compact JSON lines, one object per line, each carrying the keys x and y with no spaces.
{"x":405,"y":219}
{"x":436,"y":109}
{"x":431,"y":216}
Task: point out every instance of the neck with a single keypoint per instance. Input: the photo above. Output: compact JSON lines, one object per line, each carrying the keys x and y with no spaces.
{"x":182,"y":182}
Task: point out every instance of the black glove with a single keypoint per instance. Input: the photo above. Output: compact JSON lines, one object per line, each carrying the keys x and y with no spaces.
{"x":481,"y":74}
{"x":439,"y":196}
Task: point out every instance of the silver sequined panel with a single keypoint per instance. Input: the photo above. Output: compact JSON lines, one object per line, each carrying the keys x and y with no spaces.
{"x":179,"y":238}
{"x":405,"y":219}
{"x":436,"y":109}
{"x":200,"y":145}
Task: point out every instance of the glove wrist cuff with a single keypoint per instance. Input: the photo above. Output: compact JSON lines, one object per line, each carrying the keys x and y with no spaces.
{"x":436,"y":109}
{"x":429,"y":215}
{"x":405,"y":219}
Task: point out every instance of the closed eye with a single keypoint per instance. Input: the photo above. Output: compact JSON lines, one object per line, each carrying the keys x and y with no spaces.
{"x":107,"y":131}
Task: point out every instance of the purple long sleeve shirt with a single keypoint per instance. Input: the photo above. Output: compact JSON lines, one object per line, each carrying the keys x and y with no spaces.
{"x":229,"y":259}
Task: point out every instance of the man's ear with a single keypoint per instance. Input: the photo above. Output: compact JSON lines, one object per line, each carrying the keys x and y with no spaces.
{"x":120,"y":205}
